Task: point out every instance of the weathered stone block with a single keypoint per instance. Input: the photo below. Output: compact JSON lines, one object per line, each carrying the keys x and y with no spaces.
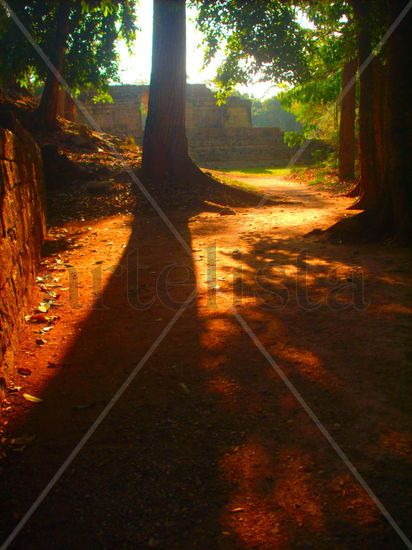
{"x":8,"y":251}
{"x":22,"y":229}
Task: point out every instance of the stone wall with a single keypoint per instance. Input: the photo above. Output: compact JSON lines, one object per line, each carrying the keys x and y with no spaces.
{"x":22,"y":229}
{"x":245,"y":146}
{"x":126,"y":115}
{"x":202,"y":111}
{"x":122,"y":117}
{"x":216,"y":134}
{"x":237,"y":113}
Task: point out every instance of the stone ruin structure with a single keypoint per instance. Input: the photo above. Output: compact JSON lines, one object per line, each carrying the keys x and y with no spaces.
{"x":217,"y":135}
{"x":22,"y":230}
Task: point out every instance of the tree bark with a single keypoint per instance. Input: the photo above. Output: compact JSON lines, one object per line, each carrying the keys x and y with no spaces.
{"x":347,"y":144}
{"x":166,"y":159}
{"x":385,"y":124}
{"x":368,"y":186}
{"x":399,"y":124}
{"x":379,"y":108}
{"x":48,"y":107}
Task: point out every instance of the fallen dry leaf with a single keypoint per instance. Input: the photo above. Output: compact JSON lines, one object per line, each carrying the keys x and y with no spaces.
{"x":35,"y":318}
{"x":32,"y":398}
{"x":22,"y":440}
{"x":24,"y":371}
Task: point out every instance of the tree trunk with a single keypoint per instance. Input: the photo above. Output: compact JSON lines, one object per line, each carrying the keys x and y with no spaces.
{"x":385,"y":124}
{"x":368,"y":187}
{"x":347,"y":122}
{"x":48,"y":107}
{"x":399,"y":123}
{"x":166,"y":160}
{"x":378,"y":106}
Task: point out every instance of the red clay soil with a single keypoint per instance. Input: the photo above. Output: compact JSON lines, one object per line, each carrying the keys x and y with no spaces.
{"x":207,"y":448}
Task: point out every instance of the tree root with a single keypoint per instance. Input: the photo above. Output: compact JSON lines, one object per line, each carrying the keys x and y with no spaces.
{"x":360,"y":228}
{"x":198,"y":189}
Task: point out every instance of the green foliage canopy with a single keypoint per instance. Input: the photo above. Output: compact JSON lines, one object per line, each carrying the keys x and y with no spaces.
{"x":331,"y":37}
{"x":303,"y":45}
{"x":269,"y":113}
{"x":259,"y":37}
{"x":91,"y":59}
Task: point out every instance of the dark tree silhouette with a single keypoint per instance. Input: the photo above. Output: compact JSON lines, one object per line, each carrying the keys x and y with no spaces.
{"x":48,"y":107}
{"x":166,"y":159}
{"x":399,"y":123}
{"x":167,"y":168}
{"x":385,"y":126}
{"x":347,"y":144}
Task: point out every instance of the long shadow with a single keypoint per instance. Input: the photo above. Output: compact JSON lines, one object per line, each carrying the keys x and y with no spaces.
{"x":148,"y":467}
{"x":206,"y":449}
{"x":320,"y":324}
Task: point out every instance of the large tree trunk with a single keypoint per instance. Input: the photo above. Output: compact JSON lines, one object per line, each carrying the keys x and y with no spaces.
{"x":372,"y":107}
{"x":399,"y":123}
{"x":368,"y":187}
{"x":385,"y":124}
{"x":347,"y":123}
{"x":379,"y":108}
{"x":167,"y":169}
{"x":48,"y":107}
{"x":166,"y":160}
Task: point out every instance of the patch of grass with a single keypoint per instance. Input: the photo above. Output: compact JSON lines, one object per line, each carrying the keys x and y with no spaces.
{"x":259,"y":170}
{"x":323,"y":178}
{"x":228,"y":179}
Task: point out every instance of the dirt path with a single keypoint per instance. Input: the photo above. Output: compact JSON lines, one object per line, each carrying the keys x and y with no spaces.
{"x":207,"y":448}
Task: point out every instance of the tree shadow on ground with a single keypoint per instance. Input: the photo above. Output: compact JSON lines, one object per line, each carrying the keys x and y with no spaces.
{"x":206,"y":448}
{"x":329,"y":319}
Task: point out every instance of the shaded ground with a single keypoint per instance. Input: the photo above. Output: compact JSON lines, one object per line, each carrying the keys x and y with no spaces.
{"x":207,"y":448}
